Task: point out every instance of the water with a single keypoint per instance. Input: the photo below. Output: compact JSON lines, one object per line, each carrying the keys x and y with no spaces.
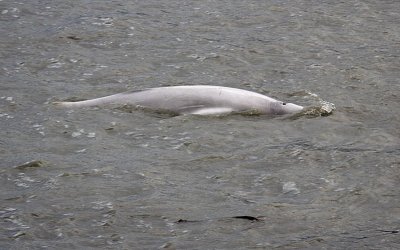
{"x":113,"y":179}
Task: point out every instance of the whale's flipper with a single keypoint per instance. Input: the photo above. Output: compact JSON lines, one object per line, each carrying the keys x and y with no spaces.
{"x":210,"y":111}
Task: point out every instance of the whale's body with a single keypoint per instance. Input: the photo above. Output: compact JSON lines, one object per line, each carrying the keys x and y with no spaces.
{"x":196,"y":99}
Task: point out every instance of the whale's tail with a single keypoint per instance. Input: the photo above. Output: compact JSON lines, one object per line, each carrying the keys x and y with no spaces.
{"x":89,"y":103}
{"x":69,"y":104}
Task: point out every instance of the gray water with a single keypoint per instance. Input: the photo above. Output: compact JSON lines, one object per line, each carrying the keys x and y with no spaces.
{"x":111,"y":178}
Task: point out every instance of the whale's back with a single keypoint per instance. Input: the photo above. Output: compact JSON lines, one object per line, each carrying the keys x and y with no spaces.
{"x":197,"y":99}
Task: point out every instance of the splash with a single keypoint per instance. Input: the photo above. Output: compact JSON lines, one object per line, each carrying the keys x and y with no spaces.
{"x":324,"y":108}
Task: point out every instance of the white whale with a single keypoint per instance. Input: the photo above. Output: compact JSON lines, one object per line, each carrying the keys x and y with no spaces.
{"x":195,"y":99}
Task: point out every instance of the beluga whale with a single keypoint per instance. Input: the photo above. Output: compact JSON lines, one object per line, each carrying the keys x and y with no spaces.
{"x":194,"y":99}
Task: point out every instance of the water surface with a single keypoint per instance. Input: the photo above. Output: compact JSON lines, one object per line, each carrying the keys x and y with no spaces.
{"x":113,"y":179}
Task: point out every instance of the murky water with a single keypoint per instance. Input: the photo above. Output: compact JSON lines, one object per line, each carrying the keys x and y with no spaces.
{"x":108,"y":178}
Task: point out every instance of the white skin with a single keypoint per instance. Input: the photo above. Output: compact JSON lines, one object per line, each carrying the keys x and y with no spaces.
{"x":196,"y":99}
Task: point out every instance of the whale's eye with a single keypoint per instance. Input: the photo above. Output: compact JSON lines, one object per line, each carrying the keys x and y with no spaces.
{"x":283,"y":103}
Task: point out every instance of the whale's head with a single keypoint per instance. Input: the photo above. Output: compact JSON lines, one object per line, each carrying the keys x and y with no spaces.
{"x":281,"y":108}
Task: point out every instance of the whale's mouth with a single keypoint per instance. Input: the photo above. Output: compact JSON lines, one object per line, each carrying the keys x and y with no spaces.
{"x":282,"y":108}
{"x":293,"y":108}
